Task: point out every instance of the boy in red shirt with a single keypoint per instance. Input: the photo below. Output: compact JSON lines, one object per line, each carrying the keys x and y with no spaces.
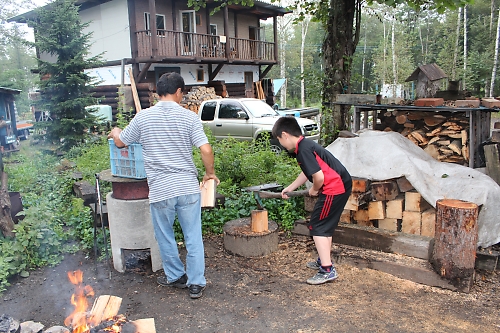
{"x":331,"y":183}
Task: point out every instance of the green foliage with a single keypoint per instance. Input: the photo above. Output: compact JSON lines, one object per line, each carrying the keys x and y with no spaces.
{"x":66,"y":87}
{"x":91,"y":157}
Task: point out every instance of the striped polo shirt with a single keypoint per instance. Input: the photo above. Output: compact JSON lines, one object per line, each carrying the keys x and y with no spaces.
{"x":167,"y":133}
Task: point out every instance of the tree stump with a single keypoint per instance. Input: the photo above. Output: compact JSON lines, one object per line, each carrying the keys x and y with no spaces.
{"x":6,"y":222}
{"x":455,"y":242}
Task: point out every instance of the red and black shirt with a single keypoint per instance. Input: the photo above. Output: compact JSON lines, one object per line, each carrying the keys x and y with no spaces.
{"x":313,"y":158}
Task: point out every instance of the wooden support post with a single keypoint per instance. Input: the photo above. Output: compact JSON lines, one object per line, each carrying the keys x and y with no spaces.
{"x":259,"y":222}
{"x":137,"y":102}
{"x":455,"y":242}
{"x":492,"y":156}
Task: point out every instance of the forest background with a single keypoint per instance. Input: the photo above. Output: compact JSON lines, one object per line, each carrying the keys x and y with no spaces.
{"x":393,"y":43}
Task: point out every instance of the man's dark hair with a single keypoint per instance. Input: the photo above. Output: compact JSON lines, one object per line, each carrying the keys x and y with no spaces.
{"x":169,"y":83}
{"x":286,"y":124}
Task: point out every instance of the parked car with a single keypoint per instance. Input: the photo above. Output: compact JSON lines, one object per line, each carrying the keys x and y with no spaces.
{"x":247,"y":119}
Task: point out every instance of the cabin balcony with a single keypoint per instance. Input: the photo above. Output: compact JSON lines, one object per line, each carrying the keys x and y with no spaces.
{"x":200,"y":48}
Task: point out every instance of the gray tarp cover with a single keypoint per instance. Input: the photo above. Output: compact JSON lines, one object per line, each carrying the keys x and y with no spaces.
{"x":384,"y":155}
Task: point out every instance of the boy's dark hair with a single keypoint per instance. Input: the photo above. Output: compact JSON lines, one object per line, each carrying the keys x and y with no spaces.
{"x":169,"y":83}
{"x":286,"y":124}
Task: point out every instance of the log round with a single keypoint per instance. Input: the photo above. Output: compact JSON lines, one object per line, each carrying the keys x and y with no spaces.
{"x":239,"y":238}
{"x":455,"y":241}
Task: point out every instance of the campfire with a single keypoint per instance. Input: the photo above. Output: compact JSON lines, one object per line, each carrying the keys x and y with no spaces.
{"x":103,"y":316}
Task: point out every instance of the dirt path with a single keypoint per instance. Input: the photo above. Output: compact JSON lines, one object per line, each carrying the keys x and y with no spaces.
{"x":266,"y":295}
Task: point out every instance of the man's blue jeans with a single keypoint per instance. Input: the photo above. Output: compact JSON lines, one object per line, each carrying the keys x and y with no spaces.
{"x":188,"y":209}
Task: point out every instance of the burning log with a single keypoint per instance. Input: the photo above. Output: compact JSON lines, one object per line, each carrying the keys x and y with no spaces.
{"x":103,"y":317}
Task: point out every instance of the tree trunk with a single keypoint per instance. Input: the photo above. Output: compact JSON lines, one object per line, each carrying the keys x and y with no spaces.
{"x":455,"y":241}
{"x":282,"y":41}
{"x":465,"y":47}
{"x":363,"y":68}
{"x":6,"y":223}
{"x":455,"y":54}
{"x":495,"y":58}
{"x":394,"y":60}
{"x":342,"y":36}
{"x":305,"y":26}
{"x":492,"y":13}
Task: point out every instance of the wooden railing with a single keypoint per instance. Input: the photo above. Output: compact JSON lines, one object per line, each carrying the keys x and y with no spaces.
{"x":183,"y":44}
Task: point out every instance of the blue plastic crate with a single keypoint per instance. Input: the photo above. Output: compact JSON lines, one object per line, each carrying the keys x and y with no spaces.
{"x":127,"y":162}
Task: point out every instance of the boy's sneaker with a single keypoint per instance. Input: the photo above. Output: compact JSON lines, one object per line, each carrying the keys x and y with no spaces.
{"x":196,"y":291}
{"x":314,"y":264}
{"x":179,"y":283}
{"x":323,"y":276}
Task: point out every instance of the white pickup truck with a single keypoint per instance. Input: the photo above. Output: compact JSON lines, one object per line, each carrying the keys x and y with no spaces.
{"x":247,"y":119}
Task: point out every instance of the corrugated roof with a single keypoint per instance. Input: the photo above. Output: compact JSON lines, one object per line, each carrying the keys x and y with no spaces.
{"x":431,"y":71}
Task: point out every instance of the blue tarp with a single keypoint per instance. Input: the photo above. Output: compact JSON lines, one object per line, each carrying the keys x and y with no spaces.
{"x":277,"y":83}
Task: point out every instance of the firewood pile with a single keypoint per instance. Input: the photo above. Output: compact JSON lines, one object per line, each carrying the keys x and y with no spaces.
{"x":198,"y":94}
{"x":392,"y":205}
{"x":444,"y":136}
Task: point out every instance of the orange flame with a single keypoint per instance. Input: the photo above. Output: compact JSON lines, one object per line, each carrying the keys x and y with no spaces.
{"x":78,"y":318}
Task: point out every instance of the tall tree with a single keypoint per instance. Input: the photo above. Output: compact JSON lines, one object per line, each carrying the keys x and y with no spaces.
{"x":65,"y":86}
{"x":495,"y":58}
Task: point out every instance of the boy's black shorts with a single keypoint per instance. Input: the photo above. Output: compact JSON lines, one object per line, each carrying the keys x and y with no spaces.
{"x":326,"y":214}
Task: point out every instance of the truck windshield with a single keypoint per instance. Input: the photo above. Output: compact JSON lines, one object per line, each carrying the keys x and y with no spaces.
{"x":259,"y":109}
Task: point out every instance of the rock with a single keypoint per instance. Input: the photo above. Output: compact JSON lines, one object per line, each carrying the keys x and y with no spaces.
{"x":57,"y":329}
{"x":31,"y":327}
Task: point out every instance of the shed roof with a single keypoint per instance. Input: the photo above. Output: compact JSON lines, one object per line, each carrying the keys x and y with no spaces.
{"x":431,"y":71}
{"x":4,"y":90}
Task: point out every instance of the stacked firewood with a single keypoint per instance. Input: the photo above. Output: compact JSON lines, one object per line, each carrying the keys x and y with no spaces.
{"x":443,"y":136}
{"x":392,"y":205}
{"x":198,"y":94}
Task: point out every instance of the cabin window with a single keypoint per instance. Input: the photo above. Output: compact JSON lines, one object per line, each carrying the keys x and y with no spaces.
{"x":200,"y":75}
{"x":213,"y":29}
{"x":160,"y":23}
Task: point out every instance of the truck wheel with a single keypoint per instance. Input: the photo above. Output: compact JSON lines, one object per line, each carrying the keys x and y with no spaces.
{"x":275,"y":146}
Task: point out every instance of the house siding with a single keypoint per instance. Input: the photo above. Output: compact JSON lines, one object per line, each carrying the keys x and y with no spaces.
{"x":111,"y":36}
{"x":244,"y":22}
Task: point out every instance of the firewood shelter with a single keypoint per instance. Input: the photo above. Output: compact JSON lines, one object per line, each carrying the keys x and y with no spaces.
{"x":473,"y":127}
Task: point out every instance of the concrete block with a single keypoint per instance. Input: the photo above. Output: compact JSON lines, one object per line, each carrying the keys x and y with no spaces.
{"x":490,"y":103}
{"x":467,"y":103}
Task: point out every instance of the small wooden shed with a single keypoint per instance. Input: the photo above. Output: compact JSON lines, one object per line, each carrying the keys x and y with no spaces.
{"x":8,"y":130}
{"x":428,"y":79}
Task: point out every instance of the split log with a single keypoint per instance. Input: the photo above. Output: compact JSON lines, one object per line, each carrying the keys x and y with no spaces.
{"x":6,"y":222}
{"x":259,"y":220}
{"x":208,"y":190}
{"x":455,"y":242}
{"x":105,"y":306}
{"x":386,"y":190}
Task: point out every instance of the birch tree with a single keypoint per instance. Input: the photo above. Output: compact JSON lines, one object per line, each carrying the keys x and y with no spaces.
{"x":455,"y":53}
{"x":304,"y":27}
{"x":495,"y":58}
{"x":465,"y":49}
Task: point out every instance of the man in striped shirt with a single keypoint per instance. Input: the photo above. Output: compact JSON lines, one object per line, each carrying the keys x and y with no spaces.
{"x":168,"y":133}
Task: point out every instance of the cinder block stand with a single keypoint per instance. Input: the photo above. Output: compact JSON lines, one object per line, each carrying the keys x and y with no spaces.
{"x":130,"y":228}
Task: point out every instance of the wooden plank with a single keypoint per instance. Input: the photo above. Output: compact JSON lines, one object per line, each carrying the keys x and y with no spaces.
{"x":361,"y":215}
{"x":137,"y":102}
{"x":346,"y":216}
{"x":404,"y":185}
{"x":208,"y":190}
{"x":492,"y":156}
